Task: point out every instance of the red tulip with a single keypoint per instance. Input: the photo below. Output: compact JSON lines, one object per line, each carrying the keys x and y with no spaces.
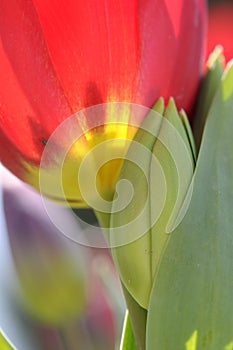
{"x":59,"y":56}
{"x":220,"y":29}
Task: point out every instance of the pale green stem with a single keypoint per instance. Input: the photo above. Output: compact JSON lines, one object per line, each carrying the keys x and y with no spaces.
{"x":137,"y":314}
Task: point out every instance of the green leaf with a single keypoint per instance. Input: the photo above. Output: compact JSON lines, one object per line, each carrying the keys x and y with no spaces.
{"x":138,"y":317}
{"x":229,"y":346}
{"x":191,"y":344}
{"x":133,"y":260}
{"x":127,"y":341}
{"x":189,"y":133}
{"x":159,"y":162}
{"x":191,"y":300}
{"x":208,"y":89}
{"x":4,"y":345}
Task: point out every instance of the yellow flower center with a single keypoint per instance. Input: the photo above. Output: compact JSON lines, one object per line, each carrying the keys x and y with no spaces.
{"x":86,"y":172}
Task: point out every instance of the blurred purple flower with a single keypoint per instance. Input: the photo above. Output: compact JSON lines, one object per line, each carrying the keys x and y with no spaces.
{"x":61,"y":289}
{"x":50,"y":267}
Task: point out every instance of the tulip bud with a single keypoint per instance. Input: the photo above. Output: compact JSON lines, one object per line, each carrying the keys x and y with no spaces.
{"x":49,"y":268}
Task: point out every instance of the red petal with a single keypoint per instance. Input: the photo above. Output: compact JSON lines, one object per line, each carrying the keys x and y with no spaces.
{"x":130,"y":51}
{"x":31,"y":100}
{"x":221,"y":28}
{"x":59,"y":56}
{"x":94,"y":48}
{"x":173,"y":37}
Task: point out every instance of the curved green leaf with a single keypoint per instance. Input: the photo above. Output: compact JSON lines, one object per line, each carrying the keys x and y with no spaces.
{"x":127,"y":341}
{"x":4,"y":345}
{"x":207,"y":91}
{"x":191,"y":301}
{"x":160,"y":183}
{"x":138,"y":317}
